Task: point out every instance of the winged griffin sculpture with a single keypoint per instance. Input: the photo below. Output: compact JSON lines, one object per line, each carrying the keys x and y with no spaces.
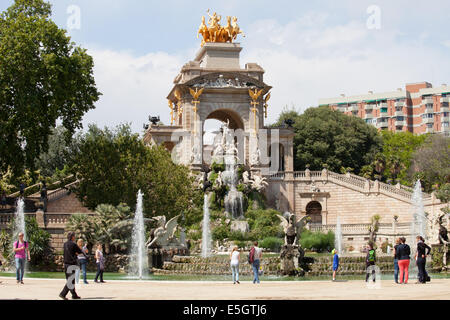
{"x":292,"y":228}
{"x":164,"y":233}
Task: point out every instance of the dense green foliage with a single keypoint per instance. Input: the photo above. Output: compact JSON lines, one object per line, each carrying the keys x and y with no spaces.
{"x":317,"y":241}
{"x":100,"y":227}
{"x":327,"y":137}
{"x":39,"y":243}
{"x":43,"y":77}
{"x":394,"y":161}
{"x":113,"y":165}
{"x":272,"y":243}
{"x":431,"y":163}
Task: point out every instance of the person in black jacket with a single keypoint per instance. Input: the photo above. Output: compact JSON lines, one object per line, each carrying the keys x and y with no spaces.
{"x":396,"y":269}
{"x":71,"y":252}
{"x":403,"y":252}
{"x":421,"y":259}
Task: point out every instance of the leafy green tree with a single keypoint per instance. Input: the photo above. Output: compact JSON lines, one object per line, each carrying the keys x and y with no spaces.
{"x":43,"y":77}
{"x":113,"y":165}
{"x":317,"y":241}
{"x":327,"y":137}
{"x":431,"y":162}
{"x":39,"y":241}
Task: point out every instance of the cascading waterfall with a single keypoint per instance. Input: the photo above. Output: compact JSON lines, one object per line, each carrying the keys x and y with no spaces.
{"x":338,"y":236}
{"x":138,"y":259}
{"x":418,"y":226}
{"x":206,"y":232}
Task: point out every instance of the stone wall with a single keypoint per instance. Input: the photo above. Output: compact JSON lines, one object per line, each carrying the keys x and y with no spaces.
{"x":67,"y":204}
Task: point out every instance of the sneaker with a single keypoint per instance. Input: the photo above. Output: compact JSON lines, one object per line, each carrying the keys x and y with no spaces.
{"x":86,"y":282}
{"x":76,"y":298}
{"x":102,"y":281}
{"x":234,"y":282}
{"x":238,"y":282}
{"x":95,"y":281}
{"x":62,"y":297}
{"x":21,"y":282}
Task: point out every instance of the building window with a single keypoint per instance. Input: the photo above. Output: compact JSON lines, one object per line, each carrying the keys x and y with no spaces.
{"x":445,"y":114}
{"x":400,"y":118}
{"x":429,"y":125}
{"x":445,"y":124}
{"x":383,"y":110}
{"x":349,"y":239}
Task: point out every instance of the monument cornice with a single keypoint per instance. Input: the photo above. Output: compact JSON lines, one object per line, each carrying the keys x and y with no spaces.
{"x":221,"y":81}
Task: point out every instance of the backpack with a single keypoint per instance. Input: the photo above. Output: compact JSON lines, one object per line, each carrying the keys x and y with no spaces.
{"x":251,"y":255}
{"x":371,"y":257}
{"x":25,"y":243}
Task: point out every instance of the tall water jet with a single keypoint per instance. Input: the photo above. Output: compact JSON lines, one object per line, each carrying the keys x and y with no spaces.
{"x":138,"y":259}
{"x":206,"y":232}
{"x":338,"y":236}
{"x":19,"y":220}
{"x":418,"y":226}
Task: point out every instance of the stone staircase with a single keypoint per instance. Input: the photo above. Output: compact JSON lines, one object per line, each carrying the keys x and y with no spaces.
{"x":351,"y":181}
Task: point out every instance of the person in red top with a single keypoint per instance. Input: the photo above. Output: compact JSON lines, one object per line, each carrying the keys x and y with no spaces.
{"x":20,"y":246}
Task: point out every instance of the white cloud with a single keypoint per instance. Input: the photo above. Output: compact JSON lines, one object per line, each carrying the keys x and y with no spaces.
{"x":305,"y":59}
{"x":133,"y":87}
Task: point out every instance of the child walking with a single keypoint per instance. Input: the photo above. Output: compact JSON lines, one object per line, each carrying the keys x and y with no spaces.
{"x":335,"y":263}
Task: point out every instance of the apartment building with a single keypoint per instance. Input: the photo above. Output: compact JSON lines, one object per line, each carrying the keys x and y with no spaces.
{"x":419,"y":108}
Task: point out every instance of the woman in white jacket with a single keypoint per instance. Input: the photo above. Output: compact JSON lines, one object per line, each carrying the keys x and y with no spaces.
{"x":234,"y":256}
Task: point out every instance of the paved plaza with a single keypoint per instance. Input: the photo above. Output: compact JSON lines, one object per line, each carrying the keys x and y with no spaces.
{"x":43,"y":289}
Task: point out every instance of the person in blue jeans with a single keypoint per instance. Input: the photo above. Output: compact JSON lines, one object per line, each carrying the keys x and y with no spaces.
{"x":21,"y":252}
{"x":255,"y":259}
{"x":396,"y":268}
{"x":82,"y":261}
{"x":335,"y":263}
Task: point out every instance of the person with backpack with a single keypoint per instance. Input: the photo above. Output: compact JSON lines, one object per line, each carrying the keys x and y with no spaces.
{"x":403,"y":253}
{"x":254,"y":259}
{"x":421,"y":259}
{"x":21,"y":252}
{"x":335,"y":263}
{"x":370,"y":261}
{"x":82,"y":261}
{"x":234,"y":256}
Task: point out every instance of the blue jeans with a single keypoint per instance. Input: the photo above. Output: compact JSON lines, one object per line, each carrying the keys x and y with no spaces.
{"x":396,"y":270}
{"x":255,"y":266}
{"x":235,"y":272}
{"x":20,"y":268}
{"x":83,"y":264}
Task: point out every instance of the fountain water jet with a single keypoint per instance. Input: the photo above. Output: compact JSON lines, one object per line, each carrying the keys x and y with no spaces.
{"x":418,"y":226}
{"x":19,"y":220}
{"x":206,"y":232}
{"x":338,"y":236}
{"x":138,"y":258}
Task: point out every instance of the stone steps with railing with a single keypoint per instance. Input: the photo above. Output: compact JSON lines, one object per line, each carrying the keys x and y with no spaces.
{"x":352,"y":181}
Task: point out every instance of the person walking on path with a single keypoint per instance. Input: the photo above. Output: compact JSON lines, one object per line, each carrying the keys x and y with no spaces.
{"x":396,"y":269}
{"x":82,"y":261}
{"x":100,"y":264}
{"x":370,"y":261}
{"x":3,"y":199}
{"x":234,"y":257}
{"x":71,"y":252}
{"x":421,"y":259}
{"x":403,"y":253}
{"x":255,"y":259}
{"x":335,"y":263}
{"x":21,"y":252}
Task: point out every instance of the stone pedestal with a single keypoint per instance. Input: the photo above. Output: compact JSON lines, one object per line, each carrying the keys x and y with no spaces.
{"x":40,"y":218}
{"x":289,"y":260}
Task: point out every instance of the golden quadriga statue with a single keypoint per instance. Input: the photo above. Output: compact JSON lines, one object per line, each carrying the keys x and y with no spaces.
{"x":214,"y":32}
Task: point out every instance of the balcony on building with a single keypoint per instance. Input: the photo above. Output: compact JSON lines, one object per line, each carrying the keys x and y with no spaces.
{"x":400,"y":103}
{"x":382,"y":105}
{"x":370,"y":104}
{"x":427,"y":120}
{"x":445,"y":128}
{"x":383,"y":123}
{"x":399,"y":113}
{"x":400,"y":123}
{"x":353,"y":108}
{"x":384,"y":112}
{"x":368,"y":116}
{"x":445,"y":107}
{"x":445,"y":99}
{"x":427,"y":100}
{"x":429,"y":108}
{"x":429,"y":130}
{"x":445,"y":117}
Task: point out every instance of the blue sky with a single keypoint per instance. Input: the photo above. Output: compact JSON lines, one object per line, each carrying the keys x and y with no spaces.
{"x":309,"y":49}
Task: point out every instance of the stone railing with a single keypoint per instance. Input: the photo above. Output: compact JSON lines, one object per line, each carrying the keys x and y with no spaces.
{"x":6,"y":218}
{"x":35,"y":188}
{"x":363,"y":228}
{"x":353,"y":181}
